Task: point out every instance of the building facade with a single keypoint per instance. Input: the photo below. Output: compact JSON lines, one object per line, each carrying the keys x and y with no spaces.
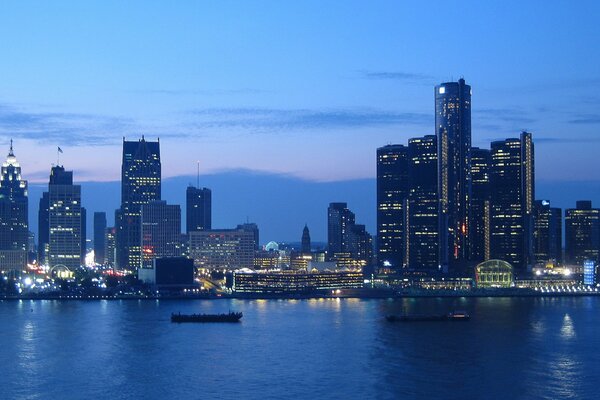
{"x":480,"y":202}
{"x":100,"y":237}
{"x":14,"y":220}
{"x":392,"y":191}
{"x":64,"y":220}
{"x":161,"y":231}
{"x":547,"y":233}
{"x":140,"y":184}
{"x":198,"y":209}
{"x":453,"y":132}
{"x":582,"y":233}
{"x":222,"y":248}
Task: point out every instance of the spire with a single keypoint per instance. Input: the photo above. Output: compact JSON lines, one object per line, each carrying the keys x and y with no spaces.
{"x":11,"y":152}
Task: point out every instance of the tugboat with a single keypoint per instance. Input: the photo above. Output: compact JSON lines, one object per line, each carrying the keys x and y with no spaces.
{"x":231,"y":317}
{"x":452,"y":316}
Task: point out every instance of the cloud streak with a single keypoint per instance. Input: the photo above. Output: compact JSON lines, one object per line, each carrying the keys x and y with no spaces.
{"x":397,"y":76}
{"x":273,"y":119}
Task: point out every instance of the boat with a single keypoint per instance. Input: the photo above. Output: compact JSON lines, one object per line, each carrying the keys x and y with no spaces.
{"x":230,"y":317}
{"x":452,"y":316}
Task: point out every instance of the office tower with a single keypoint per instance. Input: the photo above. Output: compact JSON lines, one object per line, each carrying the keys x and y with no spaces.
{"x":453,"y":131}
{"x":100,"y":237}
{"x":582,"y":233}
{"x":222,"y":248}
{"x":360,"y":244}
{"x":392,"y":190}
{"x":140,"y":184}
{"x":511,"y":201}
{"x":83,"y":234}
{"x":110,"y":249}
{"x":161,"y":231}
{"x":305,"y":248}
{"x":43,"y":228}
{"x":479,"y":238}
{"x":14,"y":221}
{"x":64,"y":220}
{"x":252,"y":228}
{"x":547,"y":233}
{"x":422,"y":205}
{"x":339,"y":219}
{"x":198,"y":209}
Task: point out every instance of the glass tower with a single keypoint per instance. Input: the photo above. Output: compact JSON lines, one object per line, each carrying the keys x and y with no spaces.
{"x":453,"y":131}
{"x":140,"y":184}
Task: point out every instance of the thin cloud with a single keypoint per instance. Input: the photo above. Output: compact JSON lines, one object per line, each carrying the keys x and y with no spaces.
{"x":586,"y":119}
{"x":56,"y":127}
{"x":272,"y":119}
{"x":397,"y":76}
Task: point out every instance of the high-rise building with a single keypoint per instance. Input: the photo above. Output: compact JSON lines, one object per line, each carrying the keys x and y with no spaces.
{"x":64,"y":220}
{"x":582,"y":233}
{"x":222,"y":248}
{"x":339,"y":220}
{"x":161,"y":231}
{"x":479,"y":238}
{"x":305,"y":248}
{"x":547,"y":232}
{"x":422,"y":249}
{"x":83,"y":235}
{"x":453,"y":131}
{"x":198,"y":209}
{"x":140,"y":184}
{"x":252,"y":228}
{"x":110,"y":249}
{"x":43,"y":228}
{"x":511,"y":201}
{"x":360,"y":244}
{"x":14,"y":221}
{"x":100,"y":237}
{"x":392,"y":191}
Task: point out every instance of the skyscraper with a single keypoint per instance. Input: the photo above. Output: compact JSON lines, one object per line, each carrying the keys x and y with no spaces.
{"x":140,"y":184}
{"x":547,"y":232}
{"x":339,"y":220}
{"x":252,"y":228}
{"x":453,"y":131}
{"x":64,"y":220}
{"x":305,"y":248}
{"x":161,"y":231}
{"x":422,"y":248}
{"x":100,"y":237}
{"x":392,"y":190}
{"x":511,"y":201}
{"x":582,"y":233}
{"x":14,"y":221}
{"x":480,"y":196}
{"x":43,"y":228}
{"x":198,"y":209}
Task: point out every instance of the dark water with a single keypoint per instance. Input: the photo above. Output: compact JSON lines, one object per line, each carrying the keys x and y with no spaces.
{"x":512,"y":348}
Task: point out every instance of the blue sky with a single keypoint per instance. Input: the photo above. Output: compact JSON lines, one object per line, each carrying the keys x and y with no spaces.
{"x":305,"y":89}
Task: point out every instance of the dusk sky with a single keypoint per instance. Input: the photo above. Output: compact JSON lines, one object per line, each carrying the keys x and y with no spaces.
{"x":304,"y":89}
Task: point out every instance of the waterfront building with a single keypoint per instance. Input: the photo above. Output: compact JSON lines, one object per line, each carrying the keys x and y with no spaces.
{"x":453,"y":132}
{"x":494,"y":274}
{"x":294,"y":282}
{"x":511,"y":201}
{"x":65,"y":221}
{"x":43,"y":228}
{"x":589,"y":272}
{"x":100,"y":237}
{"x":392,"y":191}
{"x":161,"y":231}
{"x":173,"y":273}
{"x":421,"y":207}
{"x":339,"y":220}
{"x":222,"y":248}
{"x":582,"y":233}
{"x":140,"y":184}
{"x":252,"y":228}
{"x":14,"y":220}
{"x":198,"y":209}
{"x":305,"y":247}
{"x":479,"y":238}
{"x":360,"y":244}
{"x":547,"y":233}
{"x":110,"y":246}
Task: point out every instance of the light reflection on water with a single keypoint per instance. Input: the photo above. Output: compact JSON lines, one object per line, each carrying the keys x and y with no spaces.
{"x":319,"y":348}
